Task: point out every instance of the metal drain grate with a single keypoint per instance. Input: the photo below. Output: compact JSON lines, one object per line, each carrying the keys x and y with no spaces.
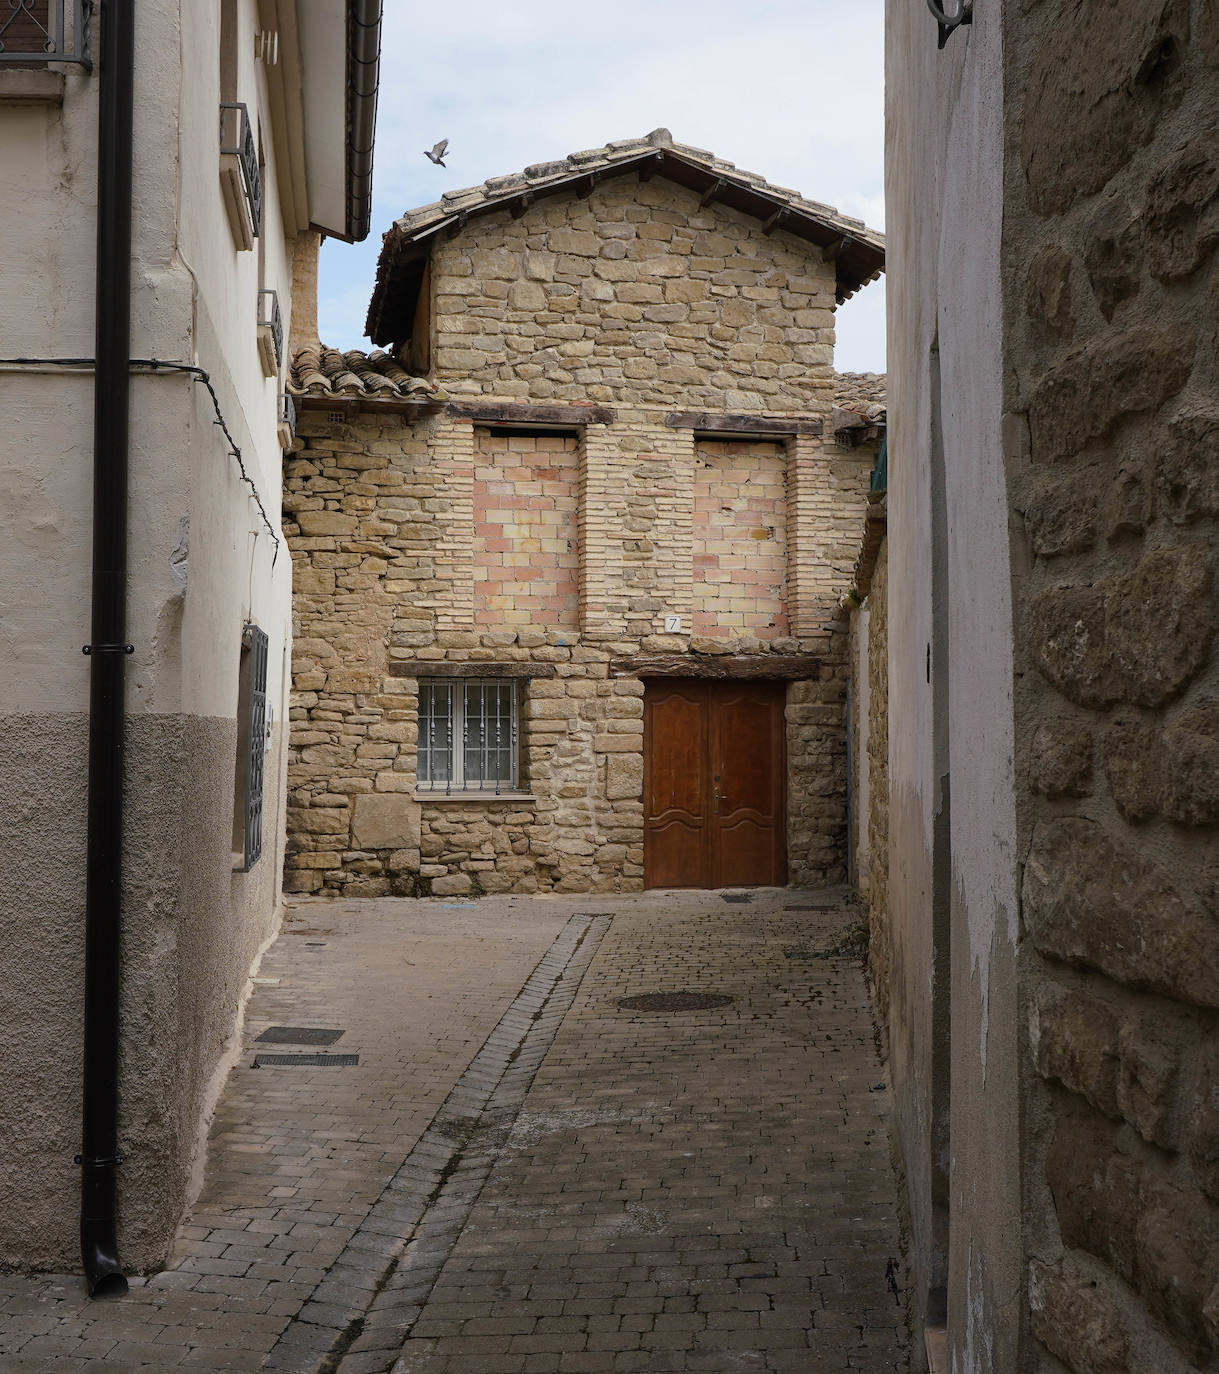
{"x":736,"y":897}
{"x":674,"y":1001}
{"x":298,"y":1035}
{"x":305,"y":1061}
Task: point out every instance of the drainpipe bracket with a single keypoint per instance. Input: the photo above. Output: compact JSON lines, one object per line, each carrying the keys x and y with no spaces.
{"x":107,"y":649}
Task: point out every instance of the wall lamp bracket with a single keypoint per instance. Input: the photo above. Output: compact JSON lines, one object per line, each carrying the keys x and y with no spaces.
{"x":949,"y":22}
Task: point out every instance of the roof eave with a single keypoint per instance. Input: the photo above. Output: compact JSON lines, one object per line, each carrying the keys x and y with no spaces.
{"x":859,"y":256}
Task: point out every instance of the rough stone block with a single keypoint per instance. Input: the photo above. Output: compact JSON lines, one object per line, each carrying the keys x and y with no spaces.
{"x":1075,"y":1322}
{"x":1083,"y":119}
{"x":624,"y":776}
{"x":1048,"y":291}
{"x":1113,"y":255}
{"x":1061,"y":517}
{"x":1140,"y":638}
{"x":323,"y":522}
{"x":1100,"y":904}
{"x":1182,"y":221}
{"x":452,"y":885}
{"x":1083,"y":398}
{"x":317,"y":820}
{"x":1187,"y":476}
{"x":386,"y":820}
{"x":1060,"y":759}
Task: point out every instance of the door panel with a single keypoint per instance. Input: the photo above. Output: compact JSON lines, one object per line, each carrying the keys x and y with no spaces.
{"x":713,"y":784}
{"x":675,"y":785}
{"x":747,"y":785}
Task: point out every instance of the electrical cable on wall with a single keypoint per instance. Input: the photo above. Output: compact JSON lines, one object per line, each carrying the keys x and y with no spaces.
{"x":155,"y":365}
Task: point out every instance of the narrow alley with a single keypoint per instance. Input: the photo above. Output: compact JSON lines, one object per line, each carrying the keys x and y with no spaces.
{"x":523,"y":1171}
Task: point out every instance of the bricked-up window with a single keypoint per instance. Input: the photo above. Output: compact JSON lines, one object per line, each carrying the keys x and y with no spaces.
{"x":467,"y":735}
{"x":251,"y":749}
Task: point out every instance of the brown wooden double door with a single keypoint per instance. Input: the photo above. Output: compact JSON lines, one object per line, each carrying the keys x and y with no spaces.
{"x":714,"y":784}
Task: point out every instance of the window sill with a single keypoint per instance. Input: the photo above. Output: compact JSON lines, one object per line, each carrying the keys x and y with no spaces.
{"x":31,"y":86}
{"x":425,"y":797}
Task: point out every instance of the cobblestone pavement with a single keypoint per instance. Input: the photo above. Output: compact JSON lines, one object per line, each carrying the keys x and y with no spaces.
{"x":521,"y":1174}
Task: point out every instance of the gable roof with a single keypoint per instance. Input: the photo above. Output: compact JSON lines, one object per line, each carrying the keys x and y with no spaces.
{"x":858,"y":251}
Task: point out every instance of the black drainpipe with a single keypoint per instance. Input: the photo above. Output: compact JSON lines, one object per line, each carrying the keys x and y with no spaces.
{"x":108,"y":650}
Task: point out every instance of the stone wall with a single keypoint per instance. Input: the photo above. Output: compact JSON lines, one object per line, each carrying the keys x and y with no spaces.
{"x":431,"y":545}
{"x":370,"y":503}
{"x":1111,"y":228}
{"x":635,"y":294}
{"x":880,"y":942}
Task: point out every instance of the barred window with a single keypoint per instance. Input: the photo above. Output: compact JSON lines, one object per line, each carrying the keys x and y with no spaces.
{"x":251,"y":748}
{"x":467,"y":735}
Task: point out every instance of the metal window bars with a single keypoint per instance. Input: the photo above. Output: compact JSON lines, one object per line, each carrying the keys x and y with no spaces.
{"x":481,"y":714}
{"x":270,"y":318}
{"x":237,"y":140}
{"x":255,"y":641}
{"x":38,"y":31}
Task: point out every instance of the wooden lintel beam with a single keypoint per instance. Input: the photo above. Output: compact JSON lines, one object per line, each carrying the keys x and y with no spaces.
{"x":742,"y":667}
{"x":521,"y":204}
{"x":743,"y":426}
{"x":775,"y":220}
{"x":517,"y":413}
{"x":710,"y":193}
{"x":650,"y":166}
{"x":420,"y":667}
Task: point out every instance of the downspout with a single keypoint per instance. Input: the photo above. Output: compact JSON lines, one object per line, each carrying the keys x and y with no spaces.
{"x":108,"y":651}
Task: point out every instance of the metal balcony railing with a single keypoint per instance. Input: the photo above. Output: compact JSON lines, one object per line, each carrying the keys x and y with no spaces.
{"x":38,"y":31}
{"x":270,"y":318}
{"x":237,"y":140}
{"x":287,"y":423}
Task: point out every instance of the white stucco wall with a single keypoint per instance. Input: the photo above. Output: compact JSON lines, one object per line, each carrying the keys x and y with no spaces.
{"x":192,"y":925}
{"x":944,"y":192}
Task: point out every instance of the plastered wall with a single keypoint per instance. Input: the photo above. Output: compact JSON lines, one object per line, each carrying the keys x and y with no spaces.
{"x":201,"y":565}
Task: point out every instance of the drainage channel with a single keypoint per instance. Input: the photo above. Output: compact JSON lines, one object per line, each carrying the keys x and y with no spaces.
{"x":360,"y":1315}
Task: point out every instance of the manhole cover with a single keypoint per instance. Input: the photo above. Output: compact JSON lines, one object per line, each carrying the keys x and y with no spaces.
{"x":737,"y":897}
{"x":674,"y":1001}
{"x":305,"y":1061}
{"x":299,"y":1035}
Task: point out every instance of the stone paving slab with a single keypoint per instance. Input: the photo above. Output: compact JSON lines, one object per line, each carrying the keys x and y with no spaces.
{"x":697,"y":1191}
{"x":520,"y":1175}
{"x":297,"y":1157}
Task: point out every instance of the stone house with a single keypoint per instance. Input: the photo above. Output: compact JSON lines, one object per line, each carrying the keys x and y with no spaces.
{"x":1052,"y":730}
{"x":568,"y":557}
{"x":242,"y":151}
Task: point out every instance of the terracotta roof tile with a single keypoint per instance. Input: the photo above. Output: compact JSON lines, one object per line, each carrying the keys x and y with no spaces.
{"x":326,"y":372}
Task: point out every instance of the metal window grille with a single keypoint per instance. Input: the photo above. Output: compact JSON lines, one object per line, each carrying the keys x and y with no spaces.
{"x":252,"y":739}
{"x":468,"y":735}
{"x":269,"y":316}
{"x":237,"y":139}
{"x":45,"y":31}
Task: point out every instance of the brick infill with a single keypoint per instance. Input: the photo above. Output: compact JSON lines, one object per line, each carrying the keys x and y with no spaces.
{"x":374,"y":1292}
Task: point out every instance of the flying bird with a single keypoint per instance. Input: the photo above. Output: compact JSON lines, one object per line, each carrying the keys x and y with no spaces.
{"x":437,"y":153}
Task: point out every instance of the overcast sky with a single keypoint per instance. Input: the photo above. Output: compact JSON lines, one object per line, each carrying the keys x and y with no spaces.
{"x":790,"y":89}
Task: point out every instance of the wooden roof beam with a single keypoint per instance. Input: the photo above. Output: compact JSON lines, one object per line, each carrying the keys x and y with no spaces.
{"x":711,"y":193}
